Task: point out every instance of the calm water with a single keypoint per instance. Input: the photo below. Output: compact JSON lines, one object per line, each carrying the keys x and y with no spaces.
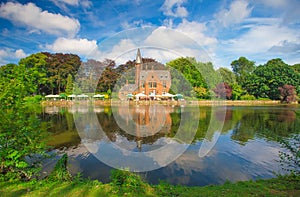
{"x":243,"y":140}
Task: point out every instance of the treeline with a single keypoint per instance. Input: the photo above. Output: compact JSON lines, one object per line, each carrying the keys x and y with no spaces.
{"x":45,"y":73}
{"x":274,"y":80}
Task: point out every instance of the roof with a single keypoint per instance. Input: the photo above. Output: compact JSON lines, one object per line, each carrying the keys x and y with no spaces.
{"x":138,"y":59}
{"x":161,"y":74}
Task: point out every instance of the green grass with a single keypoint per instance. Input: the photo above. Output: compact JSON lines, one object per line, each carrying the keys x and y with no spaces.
{"x":280,"y":186}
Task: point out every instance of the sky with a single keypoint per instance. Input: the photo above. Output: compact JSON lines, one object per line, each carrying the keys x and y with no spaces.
{"x":219,"y":31}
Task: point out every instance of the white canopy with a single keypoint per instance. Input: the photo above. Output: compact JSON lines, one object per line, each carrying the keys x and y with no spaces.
{"x":140,"y":95}
{"x":52,"y":96}
{"x":72,"y":96}
{"x":82,"y":96}
{"x":168,"y":95}
{"x":98,"y":96}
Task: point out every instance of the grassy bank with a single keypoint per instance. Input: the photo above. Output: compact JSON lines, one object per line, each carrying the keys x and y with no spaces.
{"x":280,"y":186}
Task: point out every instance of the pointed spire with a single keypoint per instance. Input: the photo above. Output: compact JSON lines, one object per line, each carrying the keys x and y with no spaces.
{"x":138,"y":59}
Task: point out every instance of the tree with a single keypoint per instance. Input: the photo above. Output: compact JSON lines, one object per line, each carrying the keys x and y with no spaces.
{"x":59,"y":66}
{"x":69,"y":86}
{"x":266,"y":79}
{"x":227,"y":75}
{"x":287,"y":93}
{"x":36,"y":73}
{"x":187,"y":68}
{"x":223,"y":91}
{"x":21,"y":135}
{"x":242,"y":68}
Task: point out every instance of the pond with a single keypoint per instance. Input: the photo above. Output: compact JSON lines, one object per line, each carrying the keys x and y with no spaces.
{"x":186,"y":145}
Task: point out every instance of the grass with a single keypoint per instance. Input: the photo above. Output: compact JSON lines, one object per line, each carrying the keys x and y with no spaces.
{"x":134,"y":186}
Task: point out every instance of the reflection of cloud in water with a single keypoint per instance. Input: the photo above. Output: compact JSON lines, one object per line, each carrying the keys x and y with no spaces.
{"x":228,"y":160}
{"x":113,"y":155}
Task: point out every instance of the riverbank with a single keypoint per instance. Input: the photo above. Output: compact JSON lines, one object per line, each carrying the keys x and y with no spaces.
{"x":64,"y":103}
{"x":280,"y":186}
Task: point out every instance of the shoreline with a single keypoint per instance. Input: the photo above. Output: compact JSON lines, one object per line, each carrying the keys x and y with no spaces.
{"x":68,"y":103}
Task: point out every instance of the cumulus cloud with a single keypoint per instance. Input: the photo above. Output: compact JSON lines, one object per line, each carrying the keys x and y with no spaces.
{"x":34,"y":18}
{"x":9,"y":54}
{"x":237,"y":12}
{"x":82,"y":47}
{"x":196,"y":31}
{"x":260,"y":38}
{"x":174,"y":8}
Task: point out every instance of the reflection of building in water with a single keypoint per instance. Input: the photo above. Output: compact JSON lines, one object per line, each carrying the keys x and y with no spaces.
{"x":146,"y":122}
{"x":151,"y":79}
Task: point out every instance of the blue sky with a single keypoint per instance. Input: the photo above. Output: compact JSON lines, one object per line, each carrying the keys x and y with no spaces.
{"x":218,"y":31}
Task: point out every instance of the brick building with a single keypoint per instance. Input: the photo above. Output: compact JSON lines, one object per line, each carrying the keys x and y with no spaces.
{"x":151,"y":78}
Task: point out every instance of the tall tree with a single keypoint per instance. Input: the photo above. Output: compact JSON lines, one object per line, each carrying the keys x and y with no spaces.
{"x":266,"y":79}
{"x":242,"y":68}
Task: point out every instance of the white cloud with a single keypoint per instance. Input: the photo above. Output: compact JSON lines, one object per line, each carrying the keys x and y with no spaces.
{"x":76,"y":3}
{"x":259,"y":39}
{"x":34,"y":18}
{"x":174,"y":8}
{"x":20,"y":53}
{"x":82,"y":47}
{"x":236,"y":13}
{"x":288,"y":9}
{"x":7,"y":54}
{"x":196,"y":31}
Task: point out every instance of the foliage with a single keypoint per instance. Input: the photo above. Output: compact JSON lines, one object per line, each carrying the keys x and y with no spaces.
{"x":22,"y":143}
{"x":290,"y":160}
{"x":69,"y":86}
{"x":237,"y":91}
{"x":227,"y":75}
{"x":266,"y":79}
{"x":60,"y":171}
{"x":223,"y":91}
{"x":201,"y":92}
{"x":127,"y":182}
{"x":248,"y":97}
{"x":242,"y":68}
{"x":287,"y":93}
{"x":187,"y":67}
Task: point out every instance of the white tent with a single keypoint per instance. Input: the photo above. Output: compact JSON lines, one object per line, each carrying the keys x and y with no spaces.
{"x":52,"y":96}
{"x":137,"y":96}
{"x":72,"y":96}
{"x":98,"y":96}
{"x":168,"y":95}
{"x":82,"y":96}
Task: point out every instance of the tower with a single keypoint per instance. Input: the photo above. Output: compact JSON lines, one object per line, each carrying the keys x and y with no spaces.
{"x":138,"y":66}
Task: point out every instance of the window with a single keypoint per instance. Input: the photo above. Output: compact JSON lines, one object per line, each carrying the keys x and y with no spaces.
{"x":143,"y":84}
{"x":154,"y":84}
{"x":150,"y":84}
{"x":164,"y":84}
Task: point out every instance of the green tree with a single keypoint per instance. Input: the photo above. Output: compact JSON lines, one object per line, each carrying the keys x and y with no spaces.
{"x":69,"y":86}
{"x":242,"y":68}
{"x":266,"y":79}
{"x":227,"y":75}
{"x":36,"y":73}
{"x":21,"y":135}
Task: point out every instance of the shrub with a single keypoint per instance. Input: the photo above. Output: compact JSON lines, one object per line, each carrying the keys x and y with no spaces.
{"x":248,"y":97}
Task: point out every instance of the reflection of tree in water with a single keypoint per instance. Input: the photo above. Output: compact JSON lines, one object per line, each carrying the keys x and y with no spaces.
{"x":266,"y":122}
{"x":60,"y":123}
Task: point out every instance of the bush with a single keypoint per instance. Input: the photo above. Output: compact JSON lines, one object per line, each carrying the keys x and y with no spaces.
{"x":33,"y":99}
{"x":248,"y":97}
{"x":127,"y":182}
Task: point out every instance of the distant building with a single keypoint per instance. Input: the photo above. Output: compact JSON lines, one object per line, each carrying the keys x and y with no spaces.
{"x":151,"y":78}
